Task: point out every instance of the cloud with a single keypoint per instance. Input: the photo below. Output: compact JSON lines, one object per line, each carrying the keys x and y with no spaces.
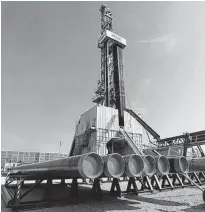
{"x":169,"y":41}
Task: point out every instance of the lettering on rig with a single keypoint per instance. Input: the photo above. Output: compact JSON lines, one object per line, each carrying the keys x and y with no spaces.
{"x":108,"y":34}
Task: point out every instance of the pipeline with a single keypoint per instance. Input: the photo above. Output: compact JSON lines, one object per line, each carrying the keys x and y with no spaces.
{"x":178,"y":164}
{"x":197,"y":164}
{"x":114,"y":165}
{"x":149,"y":165}
{"x":89,"y":165}
{"x":162,"y":165}
{"x":134,"y":165}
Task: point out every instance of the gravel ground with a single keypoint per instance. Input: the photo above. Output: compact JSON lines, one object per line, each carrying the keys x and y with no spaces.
{"x":179,"y":200}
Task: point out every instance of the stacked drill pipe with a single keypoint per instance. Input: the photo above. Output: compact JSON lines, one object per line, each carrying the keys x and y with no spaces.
{"x":155,"y":165}
{"x":178,"y":165}
{"x":197,"y":164}
{"x":174,"y":164}
{"x":88,"y":165}
{"x":149,"y":165}
{"x":134,"y":165}
{"x":114,"y":166}
{"x":162,"y":165}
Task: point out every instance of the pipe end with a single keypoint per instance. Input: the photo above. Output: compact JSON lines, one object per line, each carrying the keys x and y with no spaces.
{"x":92,"y":166}
{"x":149,"y":165}
{"x":163,"y":165}
{"x":135,"y":166}
{"x":115,"y":166}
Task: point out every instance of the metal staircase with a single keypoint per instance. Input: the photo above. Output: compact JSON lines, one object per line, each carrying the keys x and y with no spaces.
{"x":130,"y":141}
{"x":146,"y":126}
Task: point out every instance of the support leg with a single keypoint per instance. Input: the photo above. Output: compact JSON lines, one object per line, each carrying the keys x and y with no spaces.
{"x":96,"y":190}
{"x":74,"y":189}
{"x":180,"y":181}
{"x":153,"y":182}
{"x":174,"y":179}
{"x":18,"y":192}
{"x":38,"y":182}
{"x":169,"y":181}
{"x":158,"y":186}
{"x":204,"y":195}
{"x":202,"y":176}
{"x":125,"y":178}
{"x":163,"y":181}
{"x":84,"y":181}
{"x":8,"y":182}
{"x":63,"y":181}
{"x":141,"y":180}
{"x":109,"y":180}
{"x":47,"y":189}
{"x":115,"y":184}
{"x":197,"y":178}
{"x":131,"y":183}
{"x":149,"y":183}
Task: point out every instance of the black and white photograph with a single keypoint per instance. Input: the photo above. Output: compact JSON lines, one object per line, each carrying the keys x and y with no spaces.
{"x":103,"y":106}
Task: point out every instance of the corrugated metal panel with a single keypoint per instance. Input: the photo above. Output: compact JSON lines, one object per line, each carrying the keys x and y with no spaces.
{"x":85,"y":150}
{"x":101,"y":148}
{"x":107,"y":118}
{"x":85,"y":119}
{"x":131,"y":124}
{"x":92,"y":142}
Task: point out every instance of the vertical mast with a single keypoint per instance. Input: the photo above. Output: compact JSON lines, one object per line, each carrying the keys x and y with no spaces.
{"x":102,"y":92}
{"x":110,"y":91}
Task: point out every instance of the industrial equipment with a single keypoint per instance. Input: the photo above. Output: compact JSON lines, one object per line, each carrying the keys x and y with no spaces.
{"x":108,"y":143}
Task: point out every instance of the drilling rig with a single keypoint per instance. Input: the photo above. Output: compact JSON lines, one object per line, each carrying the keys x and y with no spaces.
{"x":107,"y":120}
{"x":108,"y":144}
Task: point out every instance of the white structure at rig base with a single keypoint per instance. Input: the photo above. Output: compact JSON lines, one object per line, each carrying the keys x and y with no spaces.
{"x":100,"y":124}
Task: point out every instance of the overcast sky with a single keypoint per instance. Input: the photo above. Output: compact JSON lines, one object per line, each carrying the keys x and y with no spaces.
{"x":50,"y":67}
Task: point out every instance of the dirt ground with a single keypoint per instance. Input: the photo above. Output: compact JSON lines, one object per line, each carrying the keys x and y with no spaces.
{"x":178,"y":200}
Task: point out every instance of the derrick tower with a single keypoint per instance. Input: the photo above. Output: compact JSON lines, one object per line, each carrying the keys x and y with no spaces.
{"x":110,"y":91}
{"x":108,"y":122}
